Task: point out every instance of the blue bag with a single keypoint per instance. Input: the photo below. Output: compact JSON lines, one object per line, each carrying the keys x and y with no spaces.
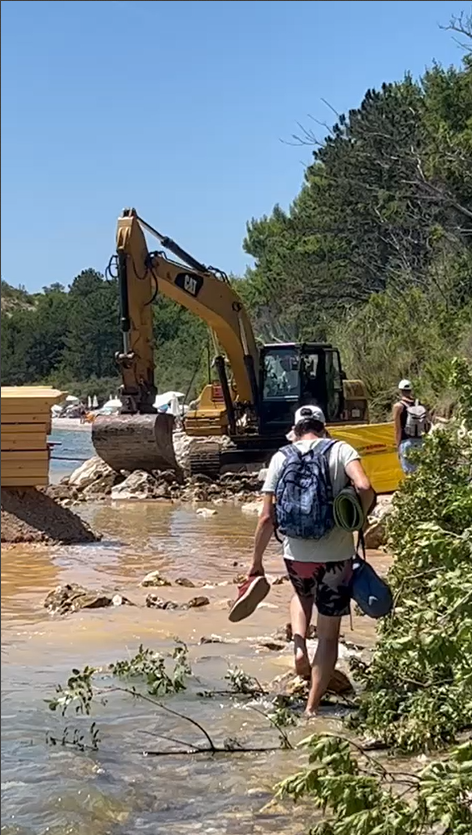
{"x":368,"y":590}
{"x":304,"y":495}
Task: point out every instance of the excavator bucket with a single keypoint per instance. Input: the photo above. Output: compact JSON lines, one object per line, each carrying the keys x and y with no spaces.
{"x":135,"y":442}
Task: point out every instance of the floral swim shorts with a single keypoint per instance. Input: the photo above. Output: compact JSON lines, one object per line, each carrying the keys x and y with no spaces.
{"x":327,"y":582}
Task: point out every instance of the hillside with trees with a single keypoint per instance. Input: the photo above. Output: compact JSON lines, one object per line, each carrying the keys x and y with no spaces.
{"x":374,"y":254}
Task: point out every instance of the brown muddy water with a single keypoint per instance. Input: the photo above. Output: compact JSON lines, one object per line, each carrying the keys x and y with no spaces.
{"x":118,"y":790}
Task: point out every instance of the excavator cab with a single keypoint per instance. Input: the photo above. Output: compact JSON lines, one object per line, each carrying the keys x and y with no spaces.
{"x":295,"y":374}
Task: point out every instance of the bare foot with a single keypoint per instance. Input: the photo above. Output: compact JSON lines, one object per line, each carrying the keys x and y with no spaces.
{"x":310,"y":714}
{"x":302,"y":664}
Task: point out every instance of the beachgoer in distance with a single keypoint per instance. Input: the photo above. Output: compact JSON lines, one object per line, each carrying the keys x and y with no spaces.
{"x":319,"y":569}
{"x":411,"y":422}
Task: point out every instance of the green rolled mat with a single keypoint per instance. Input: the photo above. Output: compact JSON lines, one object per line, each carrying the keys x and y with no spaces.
{"x":347,"y":510}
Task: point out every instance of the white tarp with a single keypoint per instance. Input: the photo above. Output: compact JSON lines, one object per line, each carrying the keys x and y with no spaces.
{"x":170,"y":399}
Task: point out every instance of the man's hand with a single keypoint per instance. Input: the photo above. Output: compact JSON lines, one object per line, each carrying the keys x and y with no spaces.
{"x":355,"y":471}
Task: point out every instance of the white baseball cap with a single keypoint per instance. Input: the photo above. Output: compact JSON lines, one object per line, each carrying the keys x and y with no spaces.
{"x":310,"y":411}
{"x":404,"y":384}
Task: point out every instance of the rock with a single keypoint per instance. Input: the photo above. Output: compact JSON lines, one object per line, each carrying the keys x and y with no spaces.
{"x":272,"y":645}
{"x":254,"y":508}
{"x":155,"y":602}
{"x":277,"y":581}
{"x":205,"y":512}
{"x":197,"y":602}
{"x":161,"y":491}
{"x":138,"y":485}
{"x":90,"y":471}
{"x":292,"y":685}
{"x":375,"y":535}
{"x":154,"y":579}
{"x":61,"y":492}
{"x":103,"y":486}
{"x":201,"y":478}
{"x":70,"y":598}
{"x":168,"y":477}
{"x":340,"y":684}
{"x":212,"y":639}
{"x":284,"y":633}
{"x":184,"y":581}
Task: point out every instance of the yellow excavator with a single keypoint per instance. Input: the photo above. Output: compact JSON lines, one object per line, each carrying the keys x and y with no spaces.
{"x":253,"y":405}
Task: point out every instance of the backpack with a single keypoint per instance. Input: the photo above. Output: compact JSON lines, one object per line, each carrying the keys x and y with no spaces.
{"x":304,"y":494}
{"x":416,"y":423}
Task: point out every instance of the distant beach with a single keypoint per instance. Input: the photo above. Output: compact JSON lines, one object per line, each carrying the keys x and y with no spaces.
{"x":70,"y":423}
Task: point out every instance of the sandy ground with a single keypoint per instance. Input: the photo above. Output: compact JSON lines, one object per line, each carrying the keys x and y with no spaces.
{"x":28,"y":515}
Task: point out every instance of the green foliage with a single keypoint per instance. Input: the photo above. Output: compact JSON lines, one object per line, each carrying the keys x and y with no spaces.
{"x":418,"y":689}
{"x":359,"y":796}
{"x":150,"y":667}
{"x":375,"y":252}
{"x":242,"y":683}
{"x":79,"y":690}
{"x":69,"y":339}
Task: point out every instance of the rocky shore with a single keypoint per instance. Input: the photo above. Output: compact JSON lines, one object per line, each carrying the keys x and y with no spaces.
{"x":96,"y":481}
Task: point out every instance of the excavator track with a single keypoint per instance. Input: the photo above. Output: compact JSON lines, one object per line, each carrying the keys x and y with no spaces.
{"x":206,"y":460}
{"x":135,"y":442}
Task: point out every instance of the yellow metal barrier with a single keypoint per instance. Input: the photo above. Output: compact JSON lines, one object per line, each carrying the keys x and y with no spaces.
{"x":376,"y":444}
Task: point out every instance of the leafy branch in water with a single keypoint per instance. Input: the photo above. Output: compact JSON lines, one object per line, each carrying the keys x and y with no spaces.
{"x":359,"y":796}
{"x":242,"y":683}
{"x":150,"y":668}
{"x":418,"y":689}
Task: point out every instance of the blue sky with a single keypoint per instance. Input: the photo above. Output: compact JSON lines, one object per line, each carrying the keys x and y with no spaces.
{"x":179,"y":109}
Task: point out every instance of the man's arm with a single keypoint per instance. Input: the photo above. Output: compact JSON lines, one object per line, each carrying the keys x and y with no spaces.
{"x":355,"y":471}
{"x":397,"y":423}
{"x":264,"y":531}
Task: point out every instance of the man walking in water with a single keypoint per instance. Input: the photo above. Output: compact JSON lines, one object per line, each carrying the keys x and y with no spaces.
{"x":411,"y":423}
{"x":319,"y":568}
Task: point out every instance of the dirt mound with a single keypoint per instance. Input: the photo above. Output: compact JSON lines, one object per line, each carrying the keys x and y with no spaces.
{"x":29,"y":515}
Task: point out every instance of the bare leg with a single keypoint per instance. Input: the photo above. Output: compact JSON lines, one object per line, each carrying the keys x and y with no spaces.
{"x":327,"y":630}
{"x":301,"y":609}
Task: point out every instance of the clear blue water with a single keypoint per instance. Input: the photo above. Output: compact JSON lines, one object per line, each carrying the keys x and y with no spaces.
{"x":74,"y":447}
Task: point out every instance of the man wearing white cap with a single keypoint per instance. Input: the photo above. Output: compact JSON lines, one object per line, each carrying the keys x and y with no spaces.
{"x":319,"y":568}
{"x":411,"y":423}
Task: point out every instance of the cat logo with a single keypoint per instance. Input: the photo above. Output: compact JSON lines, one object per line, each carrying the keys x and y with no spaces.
{"x":192,"y":284}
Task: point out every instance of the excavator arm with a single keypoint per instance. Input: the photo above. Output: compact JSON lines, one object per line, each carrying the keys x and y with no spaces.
{"x":139,"y":438}
{"x":201,"y":290}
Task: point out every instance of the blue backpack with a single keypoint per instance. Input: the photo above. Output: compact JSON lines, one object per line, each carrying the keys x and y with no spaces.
{"x":304,"y":494}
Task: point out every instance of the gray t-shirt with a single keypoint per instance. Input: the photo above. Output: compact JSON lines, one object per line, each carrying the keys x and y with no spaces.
{"x":337,"y":544}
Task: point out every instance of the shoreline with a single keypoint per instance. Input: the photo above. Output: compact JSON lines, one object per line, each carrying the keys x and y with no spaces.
{"x":70,"y":423}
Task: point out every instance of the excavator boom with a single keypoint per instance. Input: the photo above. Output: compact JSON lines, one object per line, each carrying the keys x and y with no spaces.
{"x":141,"y":438}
